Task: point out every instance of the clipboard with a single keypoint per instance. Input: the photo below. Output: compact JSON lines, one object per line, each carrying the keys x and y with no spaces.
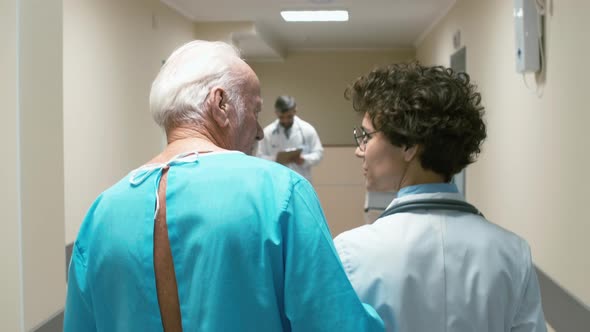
{"x":288,"y":156}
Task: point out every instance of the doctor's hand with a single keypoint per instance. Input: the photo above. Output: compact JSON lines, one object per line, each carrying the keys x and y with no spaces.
{"x":299,"y":160}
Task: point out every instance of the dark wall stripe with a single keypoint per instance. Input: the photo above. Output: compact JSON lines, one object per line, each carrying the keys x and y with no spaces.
{"x":55,"y":324}
{"x":69,"y":248}
{"x":564,"y":312}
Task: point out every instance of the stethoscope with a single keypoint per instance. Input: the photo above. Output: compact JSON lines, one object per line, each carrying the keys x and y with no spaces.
{"x":276,"y":132}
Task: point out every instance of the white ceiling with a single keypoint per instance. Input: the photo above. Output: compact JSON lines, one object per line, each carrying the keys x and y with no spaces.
{"x":373,"y":24}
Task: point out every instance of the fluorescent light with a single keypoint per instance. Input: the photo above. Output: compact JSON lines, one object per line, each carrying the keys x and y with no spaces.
{"x":314,"y":15}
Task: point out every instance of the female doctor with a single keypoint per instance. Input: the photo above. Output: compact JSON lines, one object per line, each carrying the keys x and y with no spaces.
{"x":432,"y":262}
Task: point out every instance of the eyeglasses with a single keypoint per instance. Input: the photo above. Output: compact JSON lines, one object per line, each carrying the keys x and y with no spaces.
{"x":361,"y":137}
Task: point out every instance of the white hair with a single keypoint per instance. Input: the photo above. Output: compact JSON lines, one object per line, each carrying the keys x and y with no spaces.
{"x":185,"y":80}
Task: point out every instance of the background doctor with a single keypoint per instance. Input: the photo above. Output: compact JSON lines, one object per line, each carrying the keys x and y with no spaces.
{"x":289,"y":131}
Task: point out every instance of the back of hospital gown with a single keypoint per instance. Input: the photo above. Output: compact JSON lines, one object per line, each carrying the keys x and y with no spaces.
{"x":250,"y":246}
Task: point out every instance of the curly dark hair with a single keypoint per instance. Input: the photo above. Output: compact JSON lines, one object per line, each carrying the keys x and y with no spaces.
{"x":435,"y":107}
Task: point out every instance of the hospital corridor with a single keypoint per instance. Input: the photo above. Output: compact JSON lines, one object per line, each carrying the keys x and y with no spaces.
{"x":77,"y":106}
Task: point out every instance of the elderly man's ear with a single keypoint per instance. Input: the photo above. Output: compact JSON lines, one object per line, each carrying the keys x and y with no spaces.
{"x":219,"y":107}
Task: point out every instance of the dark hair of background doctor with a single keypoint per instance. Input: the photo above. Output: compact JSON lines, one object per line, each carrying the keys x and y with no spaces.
{"x":285,"y":103}
{"x":285,"y":108}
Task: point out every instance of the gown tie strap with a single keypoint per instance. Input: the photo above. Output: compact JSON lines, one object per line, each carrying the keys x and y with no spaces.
{"x":139,"y":175}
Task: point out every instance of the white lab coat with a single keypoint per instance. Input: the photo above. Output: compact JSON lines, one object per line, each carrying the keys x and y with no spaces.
{"x":443,"y":271}
{"x":303,"y":136}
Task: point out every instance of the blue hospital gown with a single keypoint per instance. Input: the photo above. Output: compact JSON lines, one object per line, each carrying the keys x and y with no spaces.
{"x":251,"y":251}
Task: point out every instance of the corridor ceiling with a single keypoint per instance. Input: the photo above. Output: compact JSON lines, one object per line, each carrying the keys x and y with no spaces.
{"x":262,"y":33}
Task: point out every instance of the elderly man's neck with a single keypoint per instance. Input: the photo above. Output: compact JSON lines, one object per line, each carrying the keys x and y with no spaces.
{"x":180,"y":139}
{"x":182,"y":133}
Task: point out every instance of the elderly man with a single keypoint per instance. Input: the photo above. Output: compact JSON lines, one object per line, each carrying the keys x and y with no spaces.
{"x":204,"y":237}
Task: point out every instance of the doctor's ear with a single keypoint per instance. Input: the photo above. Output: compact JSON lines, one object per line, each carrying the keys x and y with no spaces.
{"x":410,"y":152}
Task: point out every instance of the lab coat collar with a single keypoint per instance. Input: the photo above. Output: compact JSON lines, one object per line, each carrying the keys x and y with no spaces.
{"x":428,"y":188}
{"x":428,"y":195}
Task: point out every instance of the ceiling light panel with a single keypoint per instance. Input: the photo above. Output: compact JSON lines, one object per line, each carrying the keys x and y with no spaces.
{"x":315,"y":15}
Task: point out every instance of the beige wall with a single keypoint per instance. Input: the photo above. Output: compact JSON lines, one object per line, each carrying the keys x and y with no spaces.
{"x":340,"y":185}
{"x":222,"y":31}
{"x":531,"y":177}
{"x":10,"y":278}
{"x":33,"y":279}
{"x":112,"y":51}
{"x":41,"y":157}
{"x":317,"y":80}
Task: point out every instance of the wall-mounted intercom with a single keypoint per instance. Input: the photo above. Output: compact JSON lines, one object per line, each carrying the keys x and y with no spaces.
{"x":527,"y":25}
